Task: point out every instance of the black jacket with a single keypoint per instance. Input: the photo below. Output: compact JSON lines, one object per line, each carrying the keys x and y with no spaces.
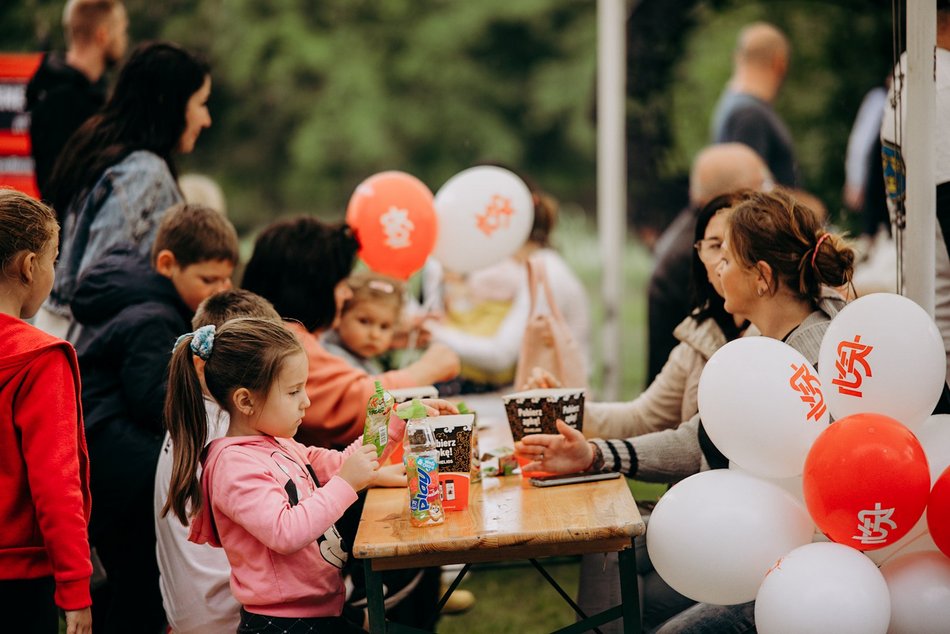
{"x":131,"y":318}
{"x":669,"y":292}
{"x":60,"y":99}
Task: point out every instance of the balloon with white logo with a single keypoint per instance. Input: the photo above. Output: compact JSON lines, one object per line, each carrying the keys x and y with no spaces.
{"x":393,"y":217}
{"x":866,"y":481}
{"x":882,"y":353}
{"x":823,"y":587}
{"x":485,"y":215}
{"x":919,"y":585}
{"x":713,"y":536}
{"x":762,"y":405}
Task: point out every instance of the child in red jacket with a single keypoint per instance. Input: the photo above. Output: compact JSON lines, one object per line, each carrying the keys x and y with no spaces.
{"x":44,"y":491}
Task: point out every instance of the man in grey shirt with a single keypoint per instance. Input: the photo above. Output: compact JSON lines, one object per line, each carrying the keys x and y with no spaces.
{"x":744,"y":113}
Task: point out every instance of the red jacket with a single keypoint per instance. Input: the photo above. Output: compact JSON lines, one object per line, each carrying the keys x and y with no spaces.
{"x":44,"y":465}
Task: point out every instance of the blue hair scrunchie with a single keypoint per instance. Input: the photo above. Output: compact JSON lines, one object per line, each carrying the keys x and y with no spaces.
{"x":202,"y":341}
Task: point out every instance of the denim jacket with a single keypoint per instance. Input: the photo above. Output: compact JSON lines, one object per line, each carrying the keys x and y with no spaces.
{"x":124,"y":206}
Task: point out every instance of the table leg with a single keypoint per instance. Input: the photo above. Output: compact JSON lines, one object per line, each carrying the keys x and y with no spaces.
{"x":374,"y":598}
{"x":629,"y":591}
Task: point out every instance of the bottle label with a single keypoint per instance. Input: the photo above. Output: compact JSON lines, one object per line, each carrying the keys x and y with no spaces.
{"x":425,"y":499}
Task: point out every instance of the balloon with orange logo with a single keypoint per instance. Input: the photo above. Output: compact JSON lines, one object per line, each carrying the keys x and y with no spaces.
{"x":485,"y":215}
{"x":866,"y":481}
{"x":882,"y":353}
{"x":393,"y":216}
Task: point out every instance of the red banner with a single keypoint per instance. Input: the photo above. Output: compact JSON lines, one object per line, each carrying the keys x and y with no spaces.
{"x":16,"y":166}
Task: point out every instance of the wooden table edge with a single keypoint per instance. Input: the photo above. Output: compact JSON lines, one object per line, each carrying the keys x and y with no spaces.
{"x":466,"y":550}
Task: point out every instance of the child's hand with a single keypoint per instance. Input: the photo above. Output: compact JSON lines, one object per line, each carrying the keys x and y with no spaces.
{"x":391,"y":475}
{"x":360,"y":467}
{"x":79,"y":621}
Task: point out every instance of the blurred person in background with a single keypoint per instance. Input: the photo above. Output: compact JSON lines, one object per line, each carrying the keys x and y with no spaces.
{"x":116,"y":177}
{"x":745,"y":114}
{"x":892,"y":135}
{"x":68,"y":89}
{"x":716,"y":170}
{"x":486,"y":312}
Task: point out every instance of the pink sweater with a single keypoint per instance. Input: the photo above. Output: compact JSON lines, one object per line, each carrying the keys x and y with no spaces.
{"x":285,"y":558}
{"x":338,"y":394}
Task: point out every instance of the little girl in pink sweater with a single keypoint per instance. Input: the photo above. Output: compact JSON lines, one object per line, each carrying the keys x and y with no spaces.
{"x":269,"y":501}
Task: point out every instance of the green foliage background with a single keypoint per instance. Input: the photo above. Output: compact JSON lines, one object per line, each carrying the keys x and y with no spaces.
{"x":312,"y":96}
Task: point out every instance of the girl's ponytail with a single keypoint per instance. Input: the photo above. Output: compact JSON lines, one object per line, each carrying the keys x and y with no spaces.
{"x":185,"y":419}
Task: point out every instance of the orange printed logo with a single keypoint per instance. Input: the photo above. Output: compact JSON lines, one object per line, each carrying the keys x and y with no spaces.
{"x":497,"y":215}
{"x":850,"y":363}
{"x":809,"y":387}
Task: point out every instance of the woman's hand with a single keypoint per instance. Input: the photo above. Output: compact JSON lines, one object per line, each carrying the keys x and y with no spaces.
{"x":567,"y":452}
{"x":541,"y":379}
{"x":438,"y":363}
{"x":391,"y":475}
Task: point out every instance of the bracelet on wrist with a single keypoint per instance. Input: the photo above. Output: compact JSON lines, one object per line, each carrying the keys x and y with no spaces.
{"x":597,"y":459}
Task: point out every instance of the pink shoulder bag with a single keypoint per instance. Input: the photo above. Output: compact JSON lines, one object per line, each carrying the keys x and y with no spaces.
{"x":548,"y":342}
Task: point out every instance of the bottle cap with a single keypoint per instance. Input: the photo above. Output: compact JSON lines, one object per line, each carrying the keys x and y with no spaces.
{"x":415,"y":410}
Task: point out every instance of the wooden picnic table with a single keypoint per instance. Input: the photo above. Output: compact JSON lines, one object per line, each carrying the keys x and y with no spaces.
{"x":507,"y":519}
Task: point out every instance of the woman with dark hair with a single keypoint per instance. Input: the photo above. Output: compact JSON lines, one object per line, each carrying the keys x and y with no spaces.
{"x":300,"y":265}
{"x":116,"y":176}
{"x":672,"y":396}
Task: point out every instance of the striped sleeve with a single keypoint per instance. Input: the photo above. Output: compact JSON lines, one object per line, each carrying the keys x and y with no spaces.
{"x":619,"y":455}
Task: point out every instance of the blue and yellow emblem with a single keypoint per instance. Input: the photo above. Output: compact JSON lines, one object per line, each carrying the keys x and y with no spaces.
{"x":894,"y":171}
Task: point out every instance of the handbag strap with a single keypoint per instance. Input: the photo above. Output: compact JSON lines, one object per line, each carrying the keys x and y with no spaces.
{"x":538,"y":276}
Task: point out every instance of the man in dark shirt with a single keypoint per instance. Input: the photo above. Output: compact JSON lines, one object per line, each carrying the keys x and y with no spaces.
{"x":67,"y":90}
{"x":744,"y":113}
{"x":716,"y":170}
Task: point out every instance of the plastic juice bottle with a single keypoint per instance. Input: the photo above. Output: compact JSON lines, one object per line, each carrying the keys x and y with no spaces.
{"x":376,"y":428}
{"x":422,"y":468}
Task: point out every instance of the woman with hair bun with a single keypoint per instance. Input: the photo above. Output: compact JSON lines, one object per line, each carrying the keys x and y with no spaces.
{"x":778,"y":268}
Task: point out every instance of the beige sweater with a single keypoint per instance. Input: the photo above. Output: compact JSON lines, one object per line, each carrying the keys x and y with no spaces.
{"x":671,"y":398}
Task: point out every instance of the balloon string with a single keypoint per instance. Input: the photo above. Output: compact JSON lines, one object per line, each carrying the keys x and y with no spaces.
{"x":407,"y":356}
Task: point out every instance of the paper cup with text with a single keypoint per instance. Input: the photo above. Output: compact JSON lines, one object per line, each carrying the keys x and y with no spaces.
{"x":537,"y":412}
{"x":453,"y":437}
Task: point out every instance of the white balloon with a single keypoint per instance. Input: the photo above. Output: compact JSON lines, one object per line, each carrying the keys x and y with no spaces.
{"x":791,"y":485}
{"x":823,"y":587}
{"x":883,"y":354}
{"x":761,"y":403}
{"x":934,"y":436}
{"x":485,"y":214}
{"x":919,"y":584}
{"x":910,"y":542}
{"x":922,"y":542}
{"x":713,"y":536}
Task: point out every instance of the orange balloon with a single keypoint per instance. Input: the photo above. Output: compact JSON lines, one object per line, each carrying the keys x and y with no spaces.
{"x":866,"y":481}
{"x":393,"y":216}
{"x":938,"y":512}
